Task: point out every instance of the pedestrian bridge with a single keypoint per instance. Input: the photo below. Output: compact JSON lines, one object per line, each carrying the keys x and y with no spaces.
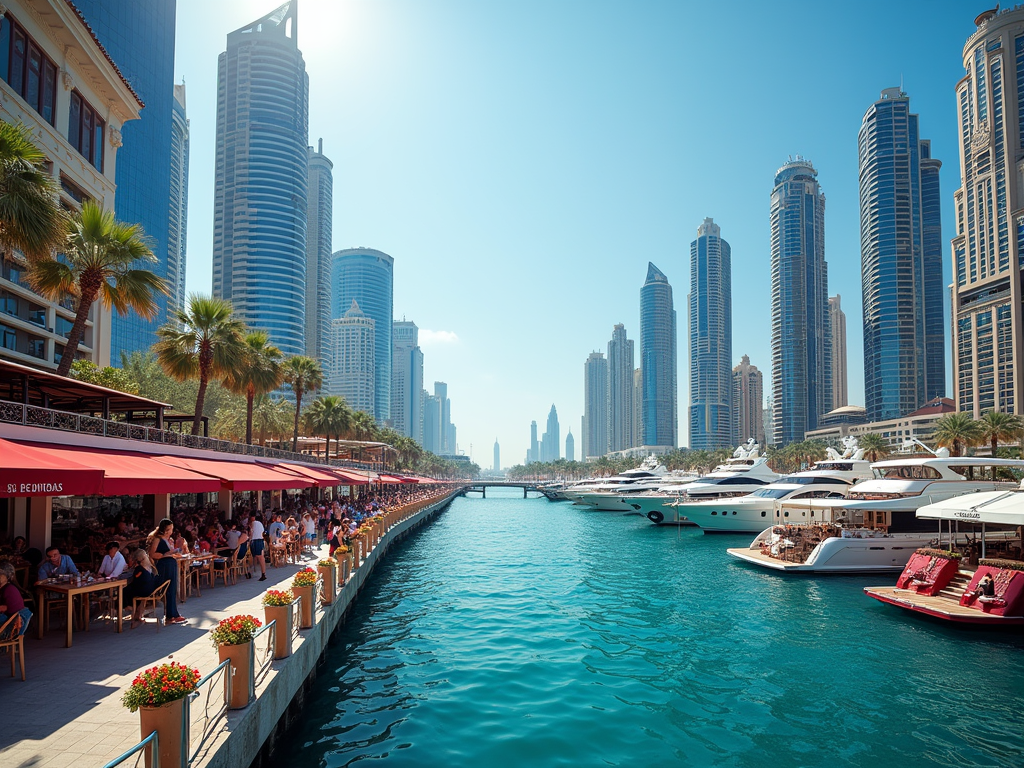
{"x":481,"y":486}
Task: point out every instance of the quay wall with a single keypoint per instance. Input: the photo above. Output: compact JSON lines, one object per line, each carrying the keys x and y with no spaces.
{"x":251,"y":734}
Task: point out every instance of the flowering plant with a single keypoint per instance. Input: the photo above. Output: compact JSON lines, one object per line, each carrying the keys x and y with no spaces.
{"x":278,"y":597}
{"x":305,"y":578}
{"x":343,"y":549}
{"x":327,"y":562}
{"x":160,"y":685}
{"x":235,"y":630}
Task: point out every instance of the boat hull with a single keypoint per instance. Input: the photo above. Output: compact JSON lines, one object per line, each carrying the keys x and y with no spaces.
{"x":938,"y":608}
{"x":875,"y":554}
{"x":657,"y":509}
{"x":605,"y":503}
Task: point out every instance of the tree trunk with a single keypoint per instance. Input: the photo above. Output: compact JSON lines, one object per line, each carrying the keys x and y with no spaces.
{"x":85,"y":303}
{"x":327,"y":450}
{"x":995,"y":442}
{"x":250,"y":396}
{"x":200,"y":400}
{"x":295,"y":432}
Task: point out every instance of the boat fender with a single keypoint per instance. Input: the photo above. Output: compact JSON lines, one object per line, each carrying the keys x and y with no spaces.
{"x":655,"y":516}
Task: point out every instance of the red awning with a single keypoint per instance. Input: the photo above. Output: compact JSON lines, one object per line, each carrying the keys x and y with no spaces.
{"x":349,"y":477}
{"x":126,"y":473}
{"x":321,"y":476}
{"x":240,"y":475}
{"x":392,"y":479}
{"x":28,"y":471}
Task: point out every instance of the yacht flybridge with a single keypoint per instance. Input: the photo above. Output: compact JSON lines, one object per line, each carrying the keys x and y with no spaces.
{"x":649,"y":469}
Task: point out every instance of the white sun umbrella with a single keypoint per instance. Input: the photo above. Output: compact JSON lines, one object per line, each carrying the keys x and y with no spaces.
{"x":986,"y":507}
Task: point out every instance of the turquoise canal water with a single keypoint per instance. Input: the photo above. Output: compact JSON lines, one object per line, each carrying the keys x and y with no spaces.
{"x":528,"y":633}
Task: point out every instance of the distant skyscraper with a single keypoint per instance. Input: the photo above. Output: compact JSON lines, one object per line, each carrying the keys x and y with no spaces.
{"x":658,"y":360}
{"x":177,"y":221}
{"x":801,"y":338}
{"x":901,"y":261}
{"x":837,"y":320}
{"x":620,"y":390}
{"x":570,"y":447}
{"x":350,"y":373}
{"x":710,"y":306}
{"x":747,"y":396}
{"x":595,"y":406}
{"x":140,"y":38}
{"x":406,"y":380}
{"x":638,"y":407}
{"x":497,"y":456}
{"x":431,"y":423}
{"x":367,"y":276}
{"x":441,"y":393}
{"x":550,"y":446}
{"x":319,"y":231}
{"x":533,"y":454}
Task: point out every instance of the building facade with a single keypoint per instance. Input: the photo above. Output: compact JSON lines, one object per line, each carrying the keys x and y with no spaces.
{"x":261,"y":178}
{"x":595,"y":407}
{"x":533,"y":454}
{"x":638,"y":406}
{"x":710,"y":313}
{"x":801,"y":337}
{"x":901,"y":261}
{"x":570,"y":447}
{"x":177,"y":216}
{"x":658,"y":361}
{"x":53,"y":73}
{"x":988,"y":248}
{"x":319,"y":231}
{"x":747,"y":396}
{"x":620,"y":390}
{"x":367,"y":276}
{"x":406,"y":380}
{"x":497,"y":456}
{"x":441,"y":393}
{"x":551,"y":441}
{"x":140,"y":38}
{"x":350,"y":373}
{"x":837,"y":323}
{"x":919,"y":425}
{"x":431,"y":423}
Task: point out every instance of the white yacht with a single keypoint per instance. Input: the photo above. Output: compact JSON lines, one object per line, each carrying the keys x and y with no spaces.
{"x":618,"y":497}
{"x":648,"y":469}
{"x":875,"y":529}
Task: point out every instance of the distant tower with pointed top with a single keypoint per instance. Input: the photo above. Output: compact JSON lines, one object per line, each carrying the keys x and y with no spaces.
{"x":350,"y":373}
{"x":570,"y":447}
{"x":658,"y":361}
{"x":497,"y":456}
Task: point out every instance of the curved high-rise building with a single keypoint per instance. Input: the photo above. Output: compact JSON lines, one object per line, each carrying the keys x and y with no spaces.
{"x":259,"y":226}
{"x":801,"y":335}
{"x":177,"y":221}
{"x":901,"y":261}
{"x":367,"y":276}
{"x":710,"y":306}
{"x":319,"y":230}
{"x":658,"y":361}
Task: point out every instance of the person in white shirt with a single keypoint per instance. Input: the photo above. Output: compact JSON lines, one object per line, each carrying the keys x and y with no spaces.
{"x":256,"y":545}
{"x":113,"y":564}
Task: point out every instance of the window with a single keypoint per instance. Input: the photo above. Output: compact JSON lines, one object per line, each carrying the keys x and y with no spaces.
{"x":85,"y":130}
{"x":37,"y":347}
{"x":27,"y":69}
{"x":8,"y":304}
{"x":8,"y":340}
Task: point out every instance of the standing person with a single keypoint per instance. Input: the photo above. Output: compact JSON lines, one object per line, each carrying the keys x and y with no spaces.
{"x":256,"y":544}
{"x":164,"y":555}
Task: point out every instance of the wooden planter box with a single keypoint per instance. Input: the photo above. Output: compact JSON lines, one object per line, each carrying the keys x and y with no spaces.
{"x":329,"y":576}
{"x":168,"y":720}
{"x":282,"y":614}
{"x":307,"y":607}
{"x":243,"y":681}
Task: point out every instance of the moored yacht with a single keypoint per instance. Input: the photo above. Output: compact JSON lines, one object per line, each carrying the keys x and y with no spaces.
{"x":618,"y":497}
{"x":648,"y":469}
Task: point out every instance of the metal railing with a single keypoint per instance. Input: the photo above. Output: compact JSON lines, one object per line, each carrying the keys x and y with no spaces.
{"x":139,"y":749}
{"x":208,"y":720}
{"x":258,"y":667}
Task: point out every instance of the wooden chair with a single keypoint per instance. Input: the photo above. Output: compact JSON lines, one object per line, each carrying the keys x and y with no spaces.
{"x":159,"y":595}
{"x":197,"y":572}
{"x":12,"y":639}
{"x":224,"y":567}
{"x":278,"y":554}
{"x":241,"y":566}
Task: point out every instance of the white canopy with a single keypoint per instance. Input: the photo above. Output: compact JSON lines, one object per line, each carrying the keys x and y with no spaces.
{"x":991,"y":507}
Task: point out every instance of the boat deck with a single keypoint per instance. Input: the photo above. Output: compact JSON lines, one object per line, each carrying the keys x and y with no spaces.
{"x":939,"y":607}
{"x":755,"y":557}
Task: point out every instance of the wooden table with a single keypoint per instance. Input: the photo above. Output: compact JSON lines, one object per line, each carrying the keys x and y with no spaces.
{"x":185,"y":563}
{"x":70,"y":589}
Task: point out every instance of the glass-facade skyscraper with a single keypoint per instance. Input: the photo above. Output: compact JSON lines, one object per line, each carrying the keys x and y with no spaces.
{"x":658,"y":360}
{"x":319,"y":230}
{"x":139,"y":36}
{"x":595,"y":407}
{"x":901,"y":261}
{"x":177,"y":217}
{"x":710,"y":306}
{"x":620,"y":390}
{"x":801,"y":334}
{"x":367,"y":276}
{"x":259,"y":226}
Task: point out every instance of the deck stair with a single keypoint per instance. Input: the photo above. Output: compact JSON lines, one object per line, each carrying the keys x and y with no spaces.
{"x":955,"y":589}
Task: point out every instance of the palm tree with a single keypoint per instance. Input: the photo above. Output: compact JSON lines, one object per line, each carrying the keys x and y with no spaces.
{"x":957,"y":431}
{"x":998,"y":427}
{"x":305,"y":375}
{"x":362,"y":426}
{"x":201,"y":342}
{"x":328,"y":415}
{"x":31,"y":219}
{"x":873,"y":445}
{"x":97,"y":263}
{"x":256,"y":371}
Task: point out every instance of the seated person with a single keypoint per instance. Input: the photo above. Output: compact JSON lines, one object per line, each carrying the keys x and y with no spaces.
{"x":144,"y":580}
{"x":113,"y":564}
{"x":11,"y":601}
{"x":276,"y":529}
{"x":986,"y":587}
{"x":56,"y":564}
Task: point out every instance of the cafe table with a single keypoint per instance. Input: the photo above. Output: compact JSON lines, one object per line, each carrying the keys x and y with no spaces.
{"x":71,"y":589}
{"x":185,"y":563}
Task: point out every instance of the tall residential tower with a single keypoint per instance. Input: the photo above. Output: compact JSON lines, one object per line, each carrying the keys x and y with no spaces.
{"x":595,"y":407}
{"x":658,"y":361}
{"x":406,"y":380}
{"x":319,"y":231}
{"x":747,"y":394}
{"x":620,"y":390}
{"x":837,"y":321}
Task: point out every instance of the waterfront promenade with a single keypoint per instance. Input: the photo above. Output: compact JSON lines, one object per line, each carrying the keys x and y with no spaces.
{"x":69,"y":712}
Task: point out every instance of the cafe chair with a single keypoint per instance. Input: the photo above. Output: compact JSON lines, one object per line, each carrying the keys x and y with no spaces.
{"x":12,"y":640}
{"x":159,"y":596}
{"x":196,"y":573}
{"x":223,"y":567}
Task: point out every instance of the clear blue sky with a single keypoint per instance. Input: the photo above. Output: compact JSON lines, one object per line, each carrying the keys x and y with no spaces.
{"x":523,"y":161}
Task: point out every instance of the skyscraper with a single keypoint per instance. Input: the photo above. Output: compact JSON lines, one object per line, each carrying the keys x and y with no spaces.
{"x":261,"y":179}
{"x":620,"y":390}
{"x":638,"y":407}
{"x":595,"y":406}
{"x":901,"y":261}
{"x":441,"y":393}
{"x":801,"y":338}
{"x":988,"y":249}
{"x":497,"y":456}
{"x":570,"y":447}
{"x":367,"y":276}
{"x":140,"y":38}
{"x":710,"y":307}
{"x":533,"y":454}
{"x":431,"y":423}
{"x":177,"y":219}
{"x":550,"y":446}
{"x":658,"y":360}
{"x":350,"y":373}
{"x":837,"y":322}
{"x":319,"y":231}
{"x":406,"y":380}
{"x":747,"y":394}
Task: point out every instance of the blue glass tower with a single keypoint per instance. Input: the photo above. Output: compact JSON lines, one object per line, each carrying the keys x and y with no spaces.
{"x":261,"y":183}
{"x":140,"y":37}
{"x":658,"y":360}
{"x":367,"y":276}
{"x":901,"y":261}
{"x":710,"y":305}
{"x":801,"y":331}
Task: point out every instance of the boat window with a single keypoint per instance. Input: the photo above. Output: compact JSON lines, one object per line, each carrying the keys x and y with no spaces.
{"x":908,"y":472}
{"x":834,"y":466}
{"x":741,"y":481}
{"x":770,"y":493}
{"x":763,"y":513}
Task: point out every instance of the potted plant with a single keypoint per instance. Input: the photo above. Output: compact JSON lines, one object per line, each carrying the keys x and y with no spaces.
{"x":158,"y":694}
{"x":328,"y":570}
{"x":277,"y":606}
{"x":304,"y":587}
{"x":233,"y":638}
{"x":343,"y":555}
